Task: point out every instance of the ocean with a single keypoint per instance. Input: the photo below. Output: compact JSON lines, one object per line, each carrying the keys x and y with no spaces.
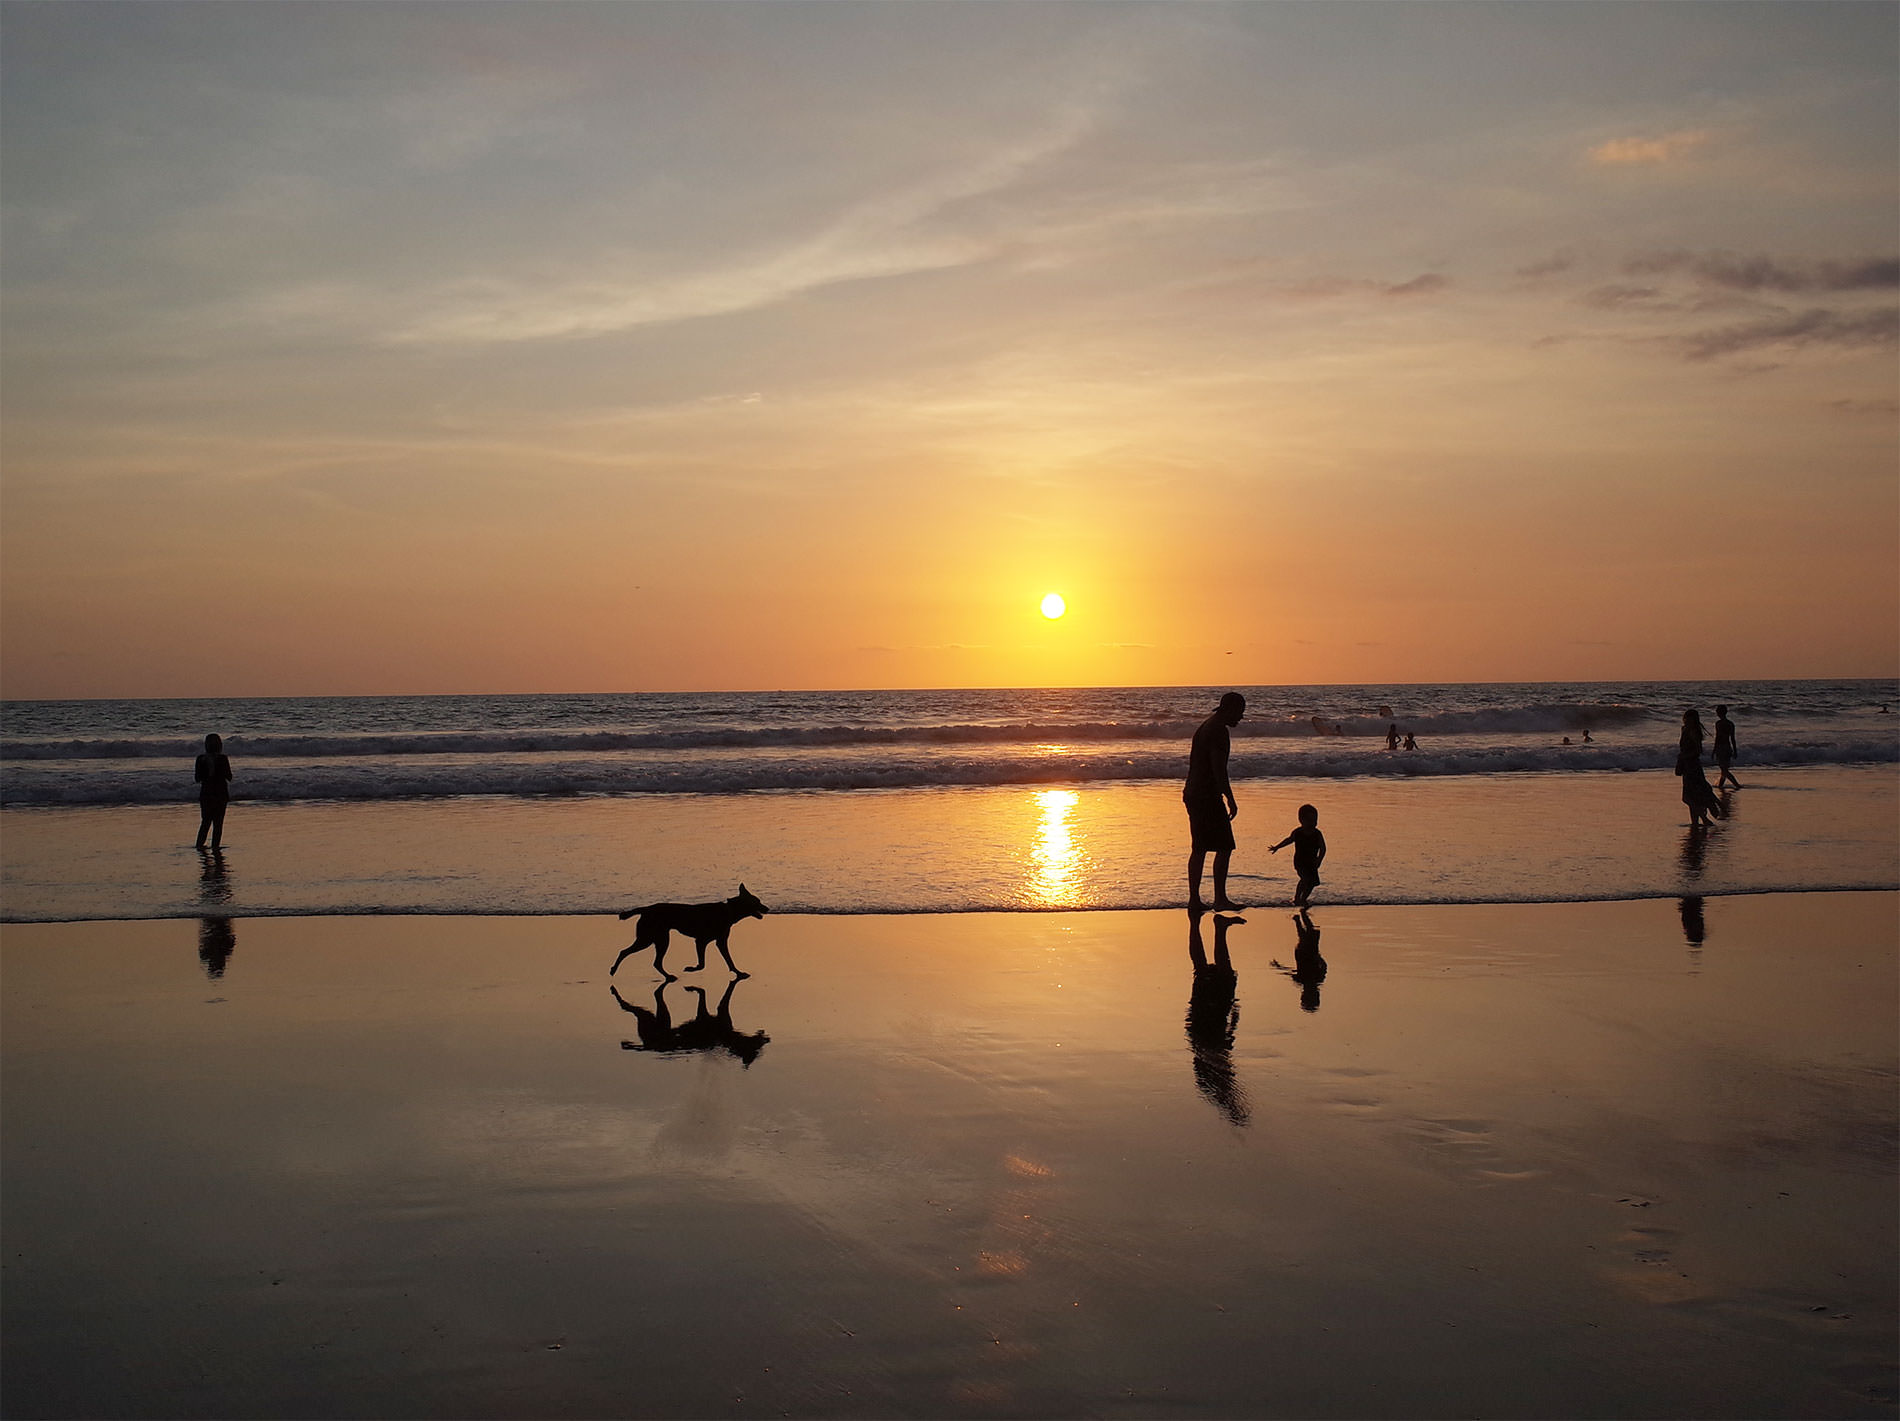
{"x":906,"y":801}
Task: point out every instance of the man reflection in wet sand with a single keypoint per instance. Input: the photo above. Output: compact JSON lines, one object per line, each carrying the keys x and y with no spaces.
{"x":1212,"y":1018}
{"x":1309,"y":968}
{"x":705,"y":1031}
{"x":217,"y":940}
{"x":1694,"y":930}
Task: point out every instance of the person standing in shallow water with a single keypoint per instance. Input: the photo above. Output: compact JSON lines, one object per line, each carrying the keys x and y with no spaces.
{"x":1704,"y":806}
{"x":213,"y":774}
{"x":1725,"y":748}
{"x":1209,"y":798}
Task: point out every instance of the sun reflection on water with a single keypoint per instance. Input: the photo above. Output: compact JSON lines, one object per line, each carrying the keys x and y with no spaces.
{"x":1056,"y":881}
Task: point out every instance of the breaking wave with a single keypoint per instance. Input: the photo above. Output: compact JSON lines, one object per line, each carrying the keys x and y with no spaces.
{"x":359,"y":777}
{"x":1554,"y":718}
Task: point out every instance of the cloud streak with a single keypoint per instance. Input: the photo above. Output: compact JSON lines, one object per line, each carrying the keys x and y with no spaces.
{"x":1762,"y":273}
{"x":1806,"y":328}
{"x":1659,"y":148}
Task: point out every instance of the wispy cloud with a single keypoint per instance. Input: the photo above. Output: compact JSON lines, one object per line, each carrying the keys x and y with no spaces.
{"x":1762,"y":273}
{"x":1651,"y":148}
{"x":885,"y":236}
{"x":1805,"y":328}
{"x":1327,"y":287}
{"x":1552,"y":265}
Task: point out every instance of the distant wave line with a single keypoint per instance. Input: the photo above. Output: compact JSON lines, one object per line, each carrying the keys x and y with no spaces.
{"x":1552,"y":718}
{"x":362,"y":780}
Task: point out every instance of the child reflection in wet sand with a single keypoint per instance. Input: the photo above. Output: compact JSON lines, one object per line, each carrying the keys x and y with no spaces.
{"x":1309,"y":968}
{"x":1212,"y":1018}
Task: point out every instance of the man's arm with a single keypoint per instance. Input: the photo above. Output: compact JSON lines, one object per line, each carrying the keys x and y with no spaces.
{"x":1226,"y":786}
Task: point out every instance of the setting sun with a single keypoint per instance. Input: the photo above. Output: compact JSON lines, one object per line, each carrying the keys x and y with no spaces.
{"x":1053,"y":606}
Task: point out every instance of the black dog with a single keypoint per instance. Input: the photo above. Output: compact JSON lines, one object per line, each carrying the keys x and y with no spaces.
{"x":702,"y":922}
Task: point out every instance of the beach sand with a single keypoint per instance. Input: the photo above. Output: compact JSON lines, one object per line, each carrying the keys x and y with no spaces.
{"x":1605,"y":1159}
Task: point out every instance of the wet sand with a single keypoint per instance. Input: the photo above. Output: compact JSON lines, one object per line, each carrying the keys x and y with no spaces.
{"x":1606,"y":1159}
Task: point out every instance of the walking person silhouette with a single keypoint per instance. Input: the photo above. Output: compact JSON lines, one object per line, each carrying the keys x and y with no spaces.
{"x":1724,"y":748}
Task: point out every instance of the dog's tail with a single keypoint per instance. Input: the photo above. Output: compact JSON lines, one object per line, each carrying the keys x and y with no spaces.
{"x":630,"y":912}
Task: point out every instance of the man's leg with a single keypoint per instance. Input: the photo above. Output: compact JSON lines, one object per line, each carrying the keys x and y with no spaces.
{"x":1220,"y":878}
{"x":1195,"y":860}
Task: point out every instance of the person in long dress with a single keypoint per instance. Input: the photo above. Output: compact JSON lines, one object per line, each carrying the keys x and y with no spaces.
{"x":1704,"y":805}
{"x":213,"y":774}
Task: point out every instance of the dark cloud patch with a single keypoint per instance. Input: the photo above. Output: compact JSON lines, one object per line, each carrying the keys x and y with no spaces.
{"x":1614,"y":296}
{"x":1552,"y":265}
{"x":1321,"y":288}
{"x":1880,"y":407}
{"x":1815,"y":327}
{"x":1760,"y":273}
{"x":1418,"y":286}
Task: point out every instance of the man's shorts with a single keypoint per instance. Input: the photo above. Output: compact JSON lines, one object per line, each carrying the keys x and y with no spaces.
{"x":1213,"y":831}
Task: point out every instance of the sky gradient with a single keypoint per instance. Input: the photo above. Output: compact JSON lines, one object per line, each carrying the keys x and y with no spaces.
{"x":432,"y":348}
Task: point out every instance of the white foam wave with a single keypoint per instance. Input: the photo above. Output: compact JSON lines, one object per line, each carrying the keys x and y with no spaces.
{"x":1560,"y":717}
{"x":355,"y":778}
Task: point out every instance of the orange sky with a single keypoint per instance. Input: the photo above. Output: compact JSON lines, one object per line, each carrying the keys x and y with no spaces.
{"x":495,"y":348}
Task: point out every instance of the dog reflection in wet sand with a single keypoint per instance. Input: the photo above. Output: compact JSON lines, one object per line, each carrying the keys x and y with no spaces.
{"x":704,"y":1031}
{"x":702,"y":922}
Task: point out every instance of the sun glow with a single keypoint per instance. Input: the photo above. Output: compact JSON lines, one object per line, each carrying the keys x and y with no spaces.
{"x":1053,"y":606}
{"x":1055,"y":857}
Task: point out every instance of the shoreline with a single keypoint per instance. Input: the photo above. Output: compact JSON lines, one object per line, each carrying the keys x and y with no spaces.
{"x":1026,"y":910}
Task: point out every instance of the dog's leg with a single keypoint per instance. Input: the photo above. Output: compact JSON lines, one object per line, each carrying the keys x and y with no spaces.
{"x":625,"y":953}
{"x":727,"y":954}
{"x":659,"y":955}
{"x":700,"y":966}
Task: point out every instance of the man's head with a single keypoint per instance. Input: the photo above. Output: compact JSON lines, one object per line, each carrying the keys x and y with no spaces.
{"x":1721,"y":710}
{"x":1232,"y":707}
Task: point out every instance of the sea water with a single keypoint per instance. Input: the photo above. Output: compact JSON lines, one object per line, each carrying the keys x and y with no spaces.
{"x":906,"y":801}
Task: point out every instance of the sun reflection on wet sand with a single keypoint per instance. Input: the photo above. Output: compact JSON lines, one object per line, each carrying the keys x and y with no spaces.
{"x":1057,"y":877}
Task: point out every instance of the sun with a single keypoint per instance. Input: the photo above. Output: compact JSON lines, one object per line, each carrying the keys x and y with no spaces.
{"x":1053,"y":606}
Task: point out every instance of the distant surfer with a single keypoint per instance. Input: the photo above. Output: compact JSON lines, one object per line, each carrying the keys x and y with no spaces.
{"x":1392,"y":736}
{"x":1725,"y":748}
{"x":213,"y":774}
{"x":1209,"y":798}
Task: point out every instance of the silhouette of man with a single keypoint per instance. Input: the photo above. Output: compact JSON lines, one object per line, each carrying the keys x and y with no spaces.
{"x":1724,"y":748}
{"x":1210,"y":800}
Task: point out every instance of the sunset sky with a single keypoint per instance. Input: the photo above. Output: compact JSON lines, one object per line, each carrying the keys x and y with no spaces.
{"x":518,"y":347}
